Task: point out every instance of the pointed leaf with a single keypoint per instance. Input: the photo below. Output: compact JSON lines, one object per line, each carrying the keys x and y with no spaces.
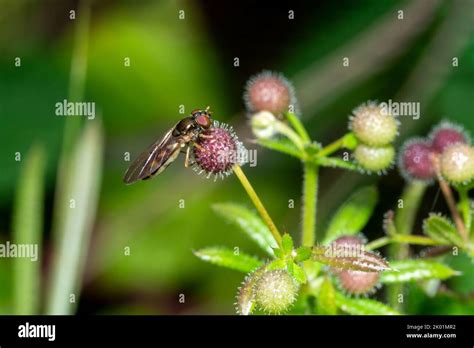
{"x":299,"y":274}
{"x":278,"y":252}
{"x":226,"y":257}
{"x":249,"y":222}
{"x":411,"y":270}
{"x":277,"y":264}
{"x":327,"y":298}
{"x":358,"y":260}
{"x":441,"y":229}
{"x":290,"y":266}
{"x":363,"y":306}
{"x":302,"y":254}
{"x":353,"y":215}
{"x":287,"y":244}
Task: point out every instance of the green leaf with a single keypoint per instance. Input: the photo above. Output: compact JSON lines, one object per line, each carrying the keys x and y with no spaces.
{"x":287,"y":244}
{"x":411,"y":270}
{"x":82,"y":188}
{"x":27,"y":229}
{"x":327,"y":298}
{"x":353,"y":215}
{"x":282,"y":145}
{"x":277,"y":264}
{"x":299,"y":274}
{"x":343,"y":258}
{"x":249,"y":222}
{"x":334,"y":162}
{"x":302,"y":254}
{"x":441,"y":229}
{"x":363,"y":306}
{"x":226,"y":257}
{"x":471,"y":207}
{"x":290,"y":266}
{"x":278,"y":252}
{"x":464,"y":283}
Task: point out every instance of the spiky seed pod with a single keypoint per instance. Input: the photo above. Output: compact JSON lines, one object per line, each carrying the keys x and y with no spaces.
{"x":263,"y":125}
{"x":415,"y":160}
{"x":269,"y":91}
{"x":374,"y":159}
{"x":352,"y":281}
{"x":275,"y":291}
{"x":246,"y":292}
{"x":357,"y":282}
{"x":447,"y":133}
{"x":217,"y":150}
{"x":457,"y":163}
{"x":371,"y":126}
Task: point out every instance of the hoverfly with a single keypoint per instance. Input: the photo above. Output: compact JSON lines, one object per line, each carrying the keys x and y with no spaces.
{"x":161,"y":154}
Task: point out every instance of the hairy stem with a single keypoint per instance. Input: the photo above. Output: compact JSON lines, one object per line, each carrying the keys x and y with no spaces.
{"x":378,"y":243}
{"x":464,"y":206}
{"x":258,"y":203}
{"x":448,"y":195}
{"x":404,"y":221}
{"x":287,"y":131}
{"x":310,"y":197}
{"x":347,"y":141}
{"x":298,"y":126}
{"x":402,"y":239}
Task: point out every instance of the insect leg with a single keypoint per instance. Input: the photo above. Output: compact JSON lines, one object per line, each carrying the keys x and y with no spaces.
{"x":204,"y":136}
{"x":198,"y":146}
{"x":186,"y":161}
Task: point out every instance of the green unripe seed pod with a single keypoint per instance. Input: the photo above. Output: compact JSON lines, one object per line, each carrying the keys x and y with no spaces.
{"x":275,"y":291}
{"x":457,"y":163}
{"x":372,"y":126}
{"x":374,"y":159}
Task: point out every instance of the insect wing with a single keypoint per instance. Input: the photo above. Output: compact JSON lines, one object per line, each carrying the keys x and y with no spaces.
{"x":152,"y":159}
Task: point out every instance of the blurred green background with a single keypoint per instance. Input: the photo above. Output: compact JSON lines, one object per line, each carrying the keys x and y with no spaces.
{"x":190,"y":62}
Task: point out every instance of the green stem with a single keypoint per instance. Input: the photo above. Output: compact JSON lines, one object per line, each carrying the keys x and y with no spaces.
{"x":404,"y":221}
{"x":258,"y":203}
{"x":402,"y":239}
{"x":378,"y":243}
{"x":284,"y":129}
{"x":347,"y":141}
{"x":448,"y":195}
{"x":310,"y":196}
{"x":298,"y":126}
{"x":464,"y":207}
{"x":331,"y":148}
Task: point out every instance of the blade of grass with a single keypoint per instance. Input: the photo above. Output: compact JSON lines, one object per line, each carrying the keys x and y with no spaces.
{"x":82,"y":189}
{"x":27,"y":229}
{"x":72,"y":124}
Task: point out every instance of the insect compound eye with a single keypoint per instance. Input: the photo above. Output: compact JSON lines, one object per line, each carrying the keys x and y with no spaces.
{"x":203,"y":121}
{"x":195,"y":112}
